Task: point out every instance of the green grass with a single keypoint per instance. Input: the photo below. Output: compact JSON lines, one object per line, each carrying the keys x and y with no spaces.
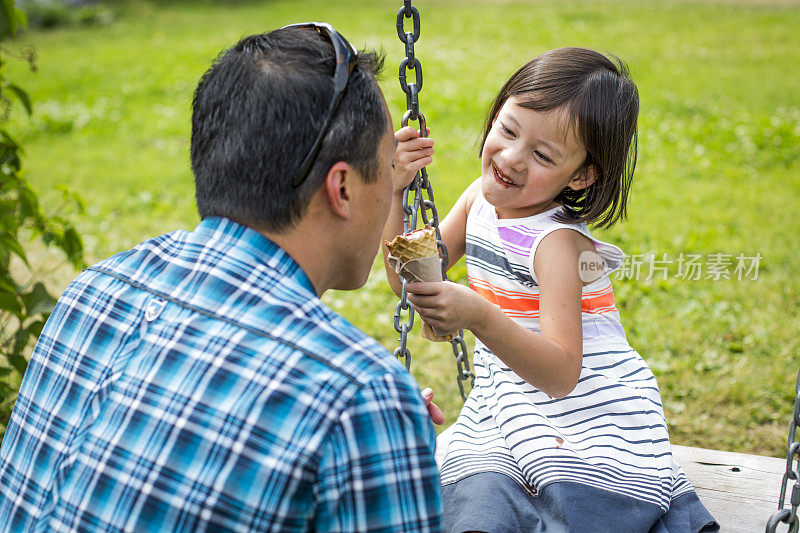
{"x":718,"y":164}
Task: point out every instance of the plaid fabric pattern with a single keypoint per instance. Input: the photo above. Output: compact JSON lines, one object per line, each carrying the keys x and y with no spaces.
{"x":197,"y":383}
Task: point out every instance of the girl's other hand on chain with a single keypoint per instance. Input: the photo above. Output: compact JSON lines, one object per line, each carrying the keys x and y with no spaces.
{"x":411,"y":155}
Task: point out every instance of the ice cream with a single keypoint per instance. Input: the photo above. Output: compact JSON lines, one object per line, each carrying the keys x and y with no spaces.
{"x":415,"y":257}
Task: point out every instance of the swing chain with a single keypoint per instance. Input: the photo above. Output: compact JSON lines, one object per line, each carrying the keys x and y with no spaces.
{"x":423,"y":198}
{"x":410,"y":62}
{"x":790,"y":516}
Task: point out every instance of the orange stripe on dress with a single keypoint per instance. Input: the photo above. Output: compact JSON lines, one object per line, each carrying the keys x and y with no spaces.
{"x":596,"y":302}
{"x":497,"y":290}
{"x":602,"y":303}
{"x":607,"y":288}
{"x":517,"y":302}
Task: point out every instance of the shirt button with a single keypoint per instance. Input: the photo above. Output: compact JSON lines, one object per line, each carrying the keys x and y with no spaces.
{"x":154,"y":308}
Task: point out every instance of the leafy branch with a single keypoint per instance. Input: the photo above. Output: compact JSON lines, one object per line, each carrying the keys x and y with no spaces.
{"x":25,"y":303}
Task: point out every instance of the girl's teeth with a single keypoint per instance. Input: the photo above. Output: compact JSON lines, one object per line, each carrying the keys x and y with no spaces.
{"x":503,"y":178}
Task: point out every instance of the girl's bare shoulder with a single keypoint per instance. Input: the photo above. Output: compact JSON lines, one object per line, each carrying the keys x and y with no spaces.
{"x":470,"y":193}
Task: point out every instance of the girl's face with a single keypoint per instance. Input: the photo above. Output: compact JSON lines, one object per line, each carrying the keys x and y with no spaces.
{"x":528,"y":158}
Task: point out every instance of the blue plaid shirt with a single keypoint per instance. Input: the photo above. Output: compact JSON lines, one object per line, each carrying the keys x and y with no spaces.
{"x":197,"y":383}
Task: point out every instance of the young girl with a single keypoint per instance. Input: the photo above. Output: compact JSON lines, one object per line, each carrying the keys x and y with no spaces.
{"x":564,"y":428}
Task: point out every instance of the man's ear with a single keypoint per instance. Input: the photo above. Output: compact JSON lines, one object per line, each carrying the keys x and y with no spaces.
{"x":583,"y":179}
{"x":339,"y":189}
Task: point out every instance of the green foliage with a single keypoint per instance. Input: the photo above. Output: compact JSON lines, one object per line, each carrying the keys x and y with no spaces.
{"x":11,"y":19}
{"x":25,"y":302}
{"x":56,"y":13}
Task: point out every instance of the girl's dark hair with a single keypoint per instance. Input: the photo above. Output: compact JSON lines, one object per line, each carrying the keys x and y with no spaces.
{"x":602,"y":104}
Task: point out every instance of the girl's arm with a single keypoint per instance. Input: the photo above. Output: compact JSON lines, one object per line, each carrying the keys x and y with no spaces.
{"x":550,"y":361}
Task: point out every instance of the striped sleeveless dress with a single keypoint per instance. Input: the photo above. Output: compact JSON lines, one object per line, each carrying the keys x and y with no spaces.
{"x":608,"y":434}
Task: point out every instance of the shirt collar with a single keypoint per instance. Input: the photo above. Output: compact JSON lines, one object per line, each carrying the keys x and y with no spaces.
{"x":254,"y":245}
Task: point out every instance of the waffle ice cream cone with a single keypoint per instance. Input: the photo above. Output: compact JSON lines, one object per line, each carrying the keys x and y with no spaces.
{"x":415,"y":257}
{"x":414,"y":245}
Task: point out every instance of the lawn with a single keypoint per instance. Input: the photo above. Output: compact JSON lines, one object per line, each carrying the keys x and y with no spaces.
{"x":716,"y":186}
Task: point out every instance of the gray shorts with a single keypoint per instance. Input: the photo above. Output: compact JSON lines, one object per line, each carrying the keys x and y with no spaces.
{"x":495,"y":503}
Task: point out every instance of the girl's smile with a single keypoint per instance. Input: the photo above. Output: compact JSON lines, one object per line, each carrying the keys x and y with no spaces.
{"x":528,"y":158}
{"x":502,"y":178}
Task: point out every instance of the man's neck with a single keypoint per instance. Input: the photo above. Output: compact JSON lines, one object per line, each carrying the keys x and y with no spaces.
{"x":309,"y":245}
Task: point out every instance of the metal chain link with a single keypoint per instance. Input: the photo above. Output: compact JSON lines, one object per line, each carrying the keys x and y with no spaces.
{"x":423,"y":199}
{"x":790,"y":516}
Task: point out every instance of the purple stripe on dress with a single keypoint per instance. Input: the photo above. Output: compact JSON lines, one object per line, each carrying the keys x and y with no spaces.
{"x":517,"y":238}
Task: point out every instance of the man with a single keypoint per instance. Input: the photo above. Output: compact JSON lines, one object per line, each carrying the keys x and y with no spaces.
{"x":197,"y":382}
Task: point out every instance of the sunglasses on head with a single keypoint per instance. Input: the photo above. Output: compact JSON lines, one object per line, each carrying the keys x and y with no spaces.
{"x":346,"y":57}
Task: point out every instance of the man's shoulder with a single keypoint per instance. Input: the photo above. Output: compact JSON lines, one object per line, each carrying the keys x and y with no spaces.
{"x":266,"y":307}
{"x":264,"y":300}
{"x":304,"y":348}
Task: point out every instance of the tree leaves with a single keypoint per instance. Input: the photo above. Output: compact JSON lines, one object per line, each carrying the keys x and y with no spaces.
{"x":10,"y":243}
{"x":12,"y":19}
{"x":38,"y":301}
{"x":22,"y":96}
{"x":9,"y":303}
{"x":25,"y":304}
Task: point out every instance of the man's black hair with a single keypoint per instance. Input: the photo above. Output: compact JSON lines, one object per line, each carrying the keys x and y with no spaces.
{"x":255,"y":114}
